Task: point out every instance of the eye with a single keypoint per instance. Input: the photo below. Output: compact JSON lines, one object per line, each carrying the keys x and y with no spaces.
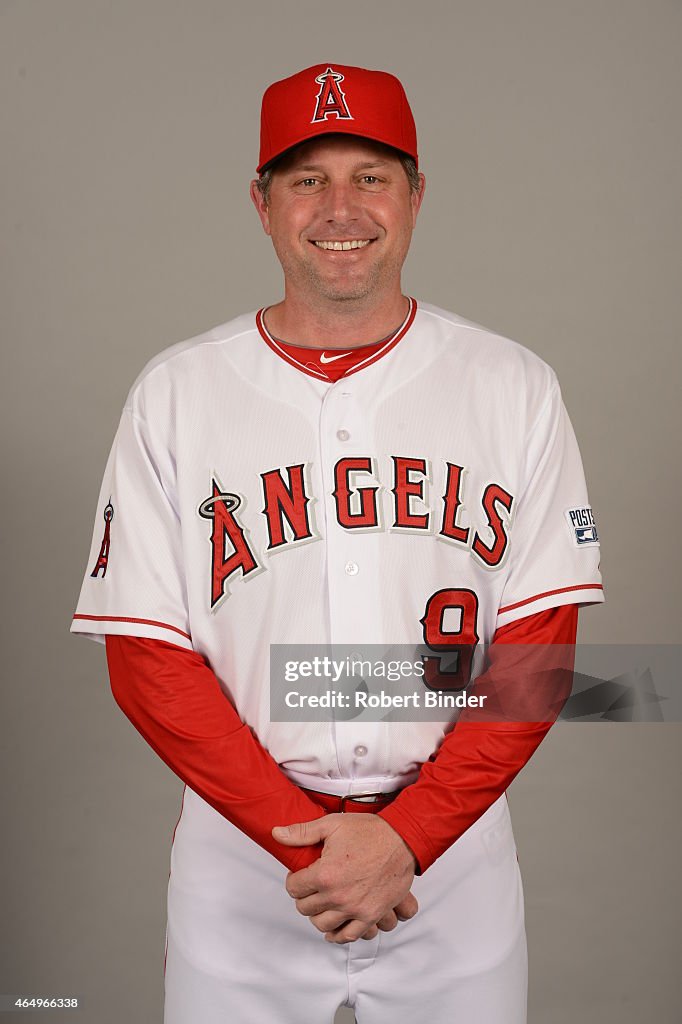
{"x":308,"y":181}
{"x":370,"y":179}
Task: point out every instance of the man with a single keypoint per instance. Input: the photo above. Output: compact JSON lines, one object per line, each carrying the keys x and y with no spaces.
{"x":344,"y":467}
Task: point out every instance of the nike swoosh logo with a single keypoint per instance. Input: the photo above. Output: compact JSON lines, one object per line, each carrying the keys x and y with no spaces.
{"x":324,"y":358}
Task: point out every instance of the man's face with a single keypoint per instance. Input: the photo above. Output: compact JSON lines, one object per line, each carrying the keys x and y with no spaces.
{"x":340,"y":189}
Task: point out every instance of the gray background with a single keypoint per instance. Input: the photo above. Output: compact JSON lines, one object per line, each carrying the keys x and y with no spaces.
{"x":549,"y":134}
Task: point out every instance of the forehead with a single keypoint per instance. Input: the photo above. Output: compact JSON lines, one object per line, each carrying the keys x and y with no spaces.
{"x":337,"y":150}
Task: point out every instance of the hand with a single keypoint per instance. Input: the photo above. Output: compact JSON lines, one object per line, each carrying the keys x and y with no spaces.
{"x":406,"y":909}
{"x":364,"y":872}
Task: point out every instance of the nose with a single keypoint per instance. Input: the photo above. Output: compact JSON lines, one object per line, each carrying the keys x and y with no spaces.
{"x":341,"y":202}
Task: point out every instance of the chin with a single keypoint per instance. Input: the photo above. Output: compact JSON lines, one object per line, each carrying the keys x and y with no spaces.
{"x":340,"y":291}
{"x":345,"y":294}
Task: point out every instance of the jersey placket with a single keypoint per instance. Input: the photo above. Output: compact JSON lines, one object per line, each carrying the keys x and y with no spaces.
{"x":353,"y":586}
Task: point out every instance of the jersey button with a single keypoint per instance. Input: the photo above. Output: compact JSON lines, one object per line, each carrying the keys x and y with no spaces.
{"x":352,"y":569}
{"x":342,"y":435}
{"x":360,"y":751}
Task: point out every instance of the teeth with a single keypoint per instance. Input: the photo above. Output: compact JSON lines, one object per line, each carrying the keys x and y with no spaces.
{"x":344,"y":246}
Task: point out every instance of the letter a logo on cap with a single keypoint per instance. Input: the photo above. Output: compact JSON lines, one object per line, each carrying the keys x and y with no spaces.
{"x":330,"y":98}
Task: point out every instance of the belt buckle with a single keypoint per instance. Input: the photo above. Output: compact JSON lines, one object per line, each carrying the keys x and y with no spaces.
{"x":362,"y":798}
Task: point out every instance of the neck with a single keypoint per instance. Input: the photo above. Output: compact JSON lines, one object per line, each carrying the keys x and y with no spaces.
{"x":336,"y":324}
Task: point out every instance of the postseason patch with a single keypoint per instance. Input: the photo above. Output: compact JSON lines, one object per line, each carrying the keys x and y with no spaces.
{"x":582,"y":525}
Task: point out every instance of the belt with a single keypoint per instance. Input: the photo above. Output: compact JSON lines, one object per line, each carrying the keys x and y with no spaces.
{"x":357,"y":803}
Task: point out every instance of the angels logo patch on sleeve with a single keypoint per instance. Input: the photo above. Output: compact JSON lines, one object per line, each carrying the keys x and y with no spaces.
{"x":103,"y":557}
{"x":582,"y":526}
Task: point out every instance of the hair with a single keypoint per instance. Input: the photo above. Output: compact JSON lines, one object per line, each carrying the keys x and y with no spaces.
{"x":409,"y":166}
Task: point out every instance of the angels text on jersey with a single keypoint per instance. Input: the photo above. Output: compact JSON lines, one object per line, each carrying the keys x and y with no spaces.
{"x":288,"y":508}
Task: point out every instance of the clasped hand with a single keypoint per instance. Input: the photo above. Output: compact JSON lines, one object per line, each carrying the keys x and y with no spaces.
{"x":361,"y":882}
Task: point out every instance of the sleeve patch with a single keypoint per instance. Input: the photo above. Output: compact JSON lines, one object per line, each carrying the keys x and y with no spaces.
{"x":103,"y":557}
{"x":582,"y":526}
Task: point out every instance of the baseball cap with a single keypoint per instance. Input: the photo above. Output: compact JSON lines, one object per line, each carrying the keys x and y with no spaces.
{"x":335,"y":98}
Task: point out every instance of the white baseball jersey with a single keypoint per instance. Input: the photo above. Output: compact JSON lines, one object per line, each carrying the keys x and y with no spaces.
{"x":435,"y":492}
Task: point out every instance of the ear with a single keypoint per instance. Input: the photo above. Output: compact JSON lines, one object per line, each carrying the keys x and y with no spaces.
{"x":259,"y":202}
{"x":416,"y":199}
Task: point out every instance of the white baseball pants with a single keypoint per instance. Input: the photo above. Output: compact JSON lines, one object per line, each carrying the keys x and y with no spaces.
{"x":238,"y":951}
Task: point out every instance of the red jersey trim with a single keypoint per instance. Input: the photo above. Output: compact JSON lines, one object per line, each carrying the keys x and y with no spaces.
{"x":550,"y":593}
{"x":389,"y":344}
{"x":124,"y":618}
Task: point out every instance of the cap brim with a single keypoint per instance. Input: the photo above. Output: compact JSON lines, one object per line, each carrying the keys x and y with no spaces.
{"x":336,"y":130}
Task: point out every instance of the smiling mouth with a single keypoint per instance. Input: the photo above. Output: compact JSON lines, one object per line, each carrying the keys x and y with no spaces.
{"x":337,"y":246}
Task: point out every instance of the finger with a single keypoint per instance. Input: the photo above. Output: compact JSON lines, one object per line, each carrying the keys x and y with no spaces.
{"x":300,"y":884}
{"x":388,"y":922}
{"x":310,"y":906}
{"x":349,"y":932}
{"x":330,"y":921}
{"x":371,"y":933}
{"x":407,"y":908}
{"x":304,"y":833}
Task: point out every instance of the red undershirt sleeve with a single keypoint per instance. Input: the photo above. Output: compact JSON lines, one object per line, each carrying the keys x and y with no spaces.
{"x":478,"y":759}
{"x":174,"y":700}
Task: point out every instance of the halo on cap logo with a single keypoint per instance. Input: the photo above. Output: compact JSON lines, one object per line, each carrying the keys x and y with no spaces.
{"x":331,"y":99}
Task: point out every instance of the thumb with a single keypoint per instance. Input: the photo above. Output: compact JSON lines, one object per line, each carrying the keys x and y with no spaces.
{"x":407,"y":908}
{"x":303,"y":833}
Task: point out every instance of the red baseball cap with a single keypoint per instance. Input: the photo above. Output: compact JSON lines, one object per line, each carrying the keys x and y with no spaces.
{"x":335,"y":98}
